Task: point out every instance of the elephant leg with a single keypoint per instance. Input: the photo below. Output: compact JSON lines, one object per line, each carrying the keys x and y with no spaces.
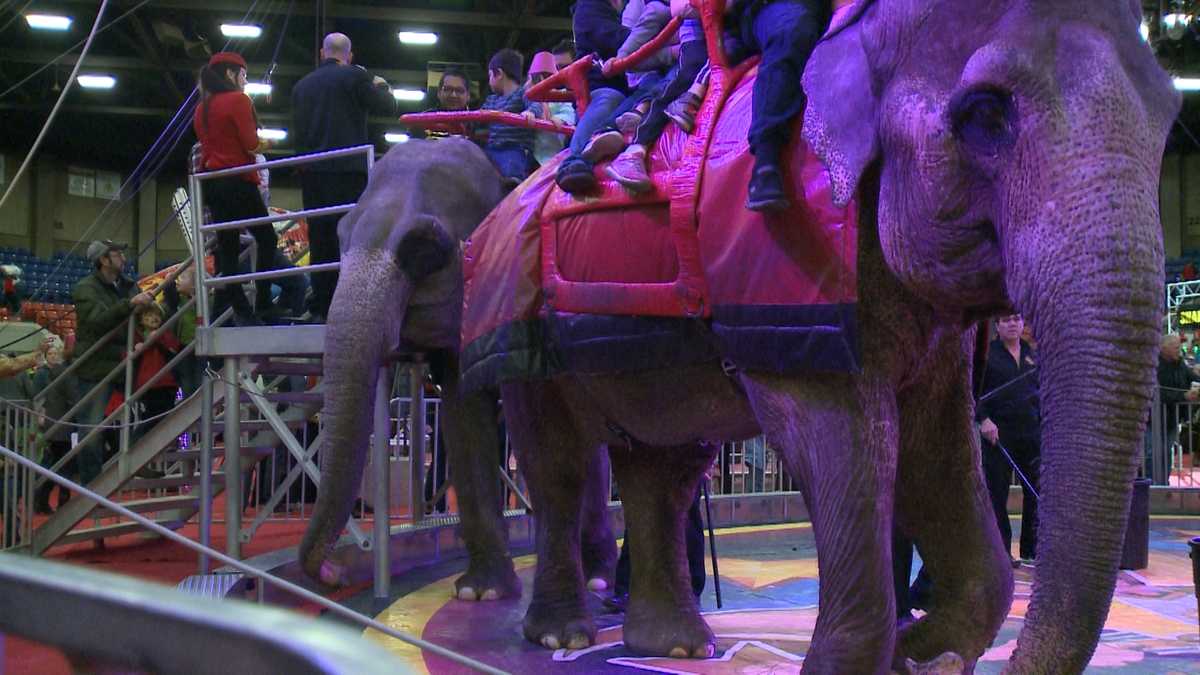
{"x":472,"y":434}
{"x":599,"y":546}
{"x":658,"y":486}
{"x":555,"y":459}
{"x":838,"y":436}
{"x":943,"y":505}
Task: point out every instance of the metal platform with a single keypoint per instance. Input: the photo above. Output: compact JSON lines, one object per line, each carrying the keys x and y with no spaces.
{"x":298,"y":340}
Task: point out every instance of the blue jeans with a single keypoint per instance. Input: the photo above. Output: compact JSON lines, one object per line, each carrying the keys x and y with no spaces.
{"x":785,"y":32}
{"x":649,"y":87}
{"x":91,"y":457}
{"x":513,"y":161}
{"x":599,"y":114}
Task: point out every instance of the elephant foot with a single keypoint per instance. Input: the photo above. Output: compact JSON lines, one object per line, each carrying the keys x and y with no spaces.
{"x":559,"y":628}
{"x":679,"y":633}
{"x":948,"y":663}
{"x":492,"y":580}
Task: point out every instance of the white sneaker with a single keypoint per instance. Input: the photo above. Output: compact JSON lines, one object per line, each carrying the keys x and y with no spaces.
{"x":603,"y":146}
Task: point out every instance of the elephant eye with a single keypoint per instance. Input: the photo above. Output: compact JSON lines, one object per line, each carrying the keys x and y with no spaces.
{"x":985,"y":120}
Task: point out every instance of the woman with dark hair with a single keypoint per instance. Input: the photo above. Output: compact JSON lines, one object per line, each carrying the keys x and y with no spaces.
{"x":227,"y":128}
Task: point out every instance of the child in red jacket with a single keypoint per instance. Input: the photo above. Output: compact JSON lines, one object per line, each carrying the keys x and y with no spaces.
{"x":160,"y":398}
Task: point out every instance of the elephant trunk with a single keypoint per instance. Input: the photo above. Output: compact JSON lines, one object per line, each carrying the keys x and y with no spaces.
{"x":1088,"y":273}
{"x":364,"y":320}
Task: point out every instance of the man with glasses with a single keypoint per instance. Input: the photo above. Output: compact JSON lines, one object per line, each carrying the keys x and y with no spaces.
{"x":103,"y":301}
{"x":453,"y":95}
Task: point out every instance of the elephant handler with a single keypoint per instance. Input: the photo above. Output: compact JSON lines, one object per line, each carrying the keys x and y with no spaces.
{"x":1011,"y":418}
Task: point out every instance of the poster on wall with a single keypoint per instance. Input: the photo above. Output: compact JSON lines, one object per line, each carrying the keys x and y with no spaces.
{"x":81,"y":182}
{"x":108,"y":185}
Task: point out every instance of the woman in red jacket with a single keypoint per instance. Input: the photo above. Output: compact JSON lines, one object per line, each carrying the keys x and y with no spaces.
{"x":228,"y":132}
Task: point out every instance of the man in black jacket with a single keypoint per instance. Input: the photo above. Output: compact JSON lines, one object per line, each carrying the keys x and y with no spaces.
{"x":1174,"y":390}
{"x":330,"y":107}
{"x":1009,"y":416}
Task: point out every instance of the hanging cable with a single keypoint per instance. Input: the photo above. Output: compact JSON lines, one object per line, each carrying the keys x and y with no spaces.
{"x":57,"y":106}
{"x":16,"y":15}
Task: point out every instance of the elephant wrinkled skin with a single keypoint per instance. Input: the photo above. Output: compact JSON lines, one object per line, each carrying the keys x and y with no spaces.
{"x":1004,"y":154}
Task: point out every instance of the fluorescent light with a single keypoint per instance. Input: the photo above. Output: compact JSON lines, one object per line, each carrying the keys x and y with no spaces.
{"x":272,"y":134}
{"x":392,"y":137}
{"x":1186,"y":83}
{"x":96,"y":81}
{"x":417,"y":38}
{"x":257,"y":89}
{"x":48,"y":21}
{"x":409,"y":94}
{"x":240,"y":30}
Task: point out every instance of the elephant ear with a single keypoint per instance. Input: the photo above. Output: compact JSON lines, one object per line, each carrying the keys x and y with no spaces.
{"x":843,"y":106}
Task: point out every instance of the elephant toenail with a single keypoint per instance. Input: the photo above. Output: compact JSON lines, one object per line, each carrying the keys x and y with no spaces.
{"x":491,"y":594}
{"x":678,"y":653}
{"x":578,"y":642}
{"x":705,"y":652}
{"x":597,"y":584}
{"x":549,"y":642}
{"x":466,"y":593}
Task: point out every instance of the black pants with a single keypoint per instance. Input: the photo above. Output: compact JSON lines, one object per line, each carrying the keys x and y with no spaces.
{"x":327,"y":189}
{"x":692,"y":57}
{"x":921,"y":591}
{"x":693,"y":537}
{"x":55,"y":450}
{"x":784,"y":32}
{"x":155,"y":404}
{"x":235,"y":198}
{"x":998,"y":473}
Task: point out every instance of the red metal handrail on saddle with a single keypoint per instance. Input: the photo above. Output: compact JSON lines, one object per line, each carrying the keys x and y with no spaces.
{"x":455,"y":122}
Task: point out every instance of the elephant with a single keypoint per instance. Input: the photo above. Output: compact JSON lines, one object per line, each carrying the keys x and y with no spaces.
{"x":1004,"y":157}
{"x":400,"y":289}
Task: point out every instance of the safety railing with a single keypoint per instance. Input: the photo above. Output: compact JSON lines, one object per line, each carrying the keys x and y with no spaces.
{"x":1173,"y":441}
{"x":19,"y":431}
{"x":200,"y":228}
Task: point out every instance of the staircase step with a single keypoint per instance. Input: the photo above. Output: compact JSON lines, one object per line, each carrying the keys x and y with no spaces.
{"x":296,"y":397}
{"x":153,"y":504}
{"x":114,"y":530}
{"x":302,"y":368}
{"x":168,"y":482}
{"x":256,"y":425}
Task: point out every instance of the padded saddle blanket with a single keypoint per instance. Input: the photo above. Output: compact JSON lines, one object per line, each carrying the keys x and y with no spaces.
{"x":683,"y":274}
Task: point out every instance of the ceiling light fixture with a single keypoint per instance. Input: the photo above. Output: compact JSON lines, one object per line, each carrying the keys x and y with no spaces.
{"x":96,"y":81}
{"x":417,"y":37}
{"x":240,"y":30}
{"x":48,"y":21}
{"x":409,"y":94}
{"x":394,"y":137}
{"x":257,"y":89}
{"x":272,"y":134}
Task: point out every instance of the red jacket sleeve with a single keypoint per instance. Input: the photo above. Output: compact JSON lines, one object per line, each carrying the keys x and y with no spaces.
{"x":243,"y":116}
{"x":170,"y":342}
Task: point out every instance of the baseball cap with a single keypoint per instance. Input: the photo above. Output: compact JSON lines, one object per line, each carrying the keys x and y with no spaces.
{"x":101,"y":247}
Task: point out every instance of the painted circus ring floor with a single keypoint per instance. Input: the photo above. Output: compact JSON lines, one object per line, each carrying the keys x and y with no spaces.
{"x":769,"y":590}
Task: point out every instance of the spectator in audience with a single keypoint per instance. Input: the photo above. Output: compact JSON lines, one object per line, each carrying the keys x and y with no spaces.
{"x":103,"y":301}
{"x":1009,"y":416}
{"x":55,"y":405}
{"x":598,"y":30}
{"x":160,"y":398}
{"x":330,"y":107}
{"x":12,"y":298}
{"x":547,"y":144}
{"x":564,"y":54}
{"x":645,"y":19}
{"x":177,"y":295}
{"x":291,"y":288}
{"x":510,"y":148}
{"x":1178,"y":385}
{"x":227,"y":127}
{"x":453,"y":95}
{"x":13,"y":366}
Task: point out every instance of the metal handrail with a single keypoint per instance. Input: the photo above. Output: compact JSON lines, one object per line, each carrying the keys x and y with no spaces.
{"x":274,"y":218}
{"x":287,"y":161}
{"x":261,"y":575}
{"x":213,"y":282}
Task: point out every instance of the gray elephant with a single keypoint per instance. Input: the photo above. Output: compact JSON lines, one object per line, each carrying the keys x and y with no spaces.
{"x":1004,"y":155}
{"x":401,"y":288}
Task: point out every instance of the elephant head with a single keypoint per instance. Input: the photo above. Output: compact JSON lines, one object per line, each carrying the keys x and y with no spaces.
{"x":1017,"y":147}
{"x":400,"y":283}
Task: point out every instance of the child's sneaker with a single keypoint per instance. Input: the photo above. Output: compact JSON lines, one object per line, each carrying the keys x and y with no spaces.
{"x":575,"y":176}
{"x":766,"y":190}
{"x":603,"y":146}
{"x":629,"y":169}
{"x":628,"y":122}
{"x":682,"y":111}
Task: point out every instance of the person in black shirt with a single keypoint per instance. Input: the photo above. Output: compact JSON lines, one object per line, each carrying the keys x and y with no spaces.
{"x":1175,"y":388}
{"x":330,"y":107}
{"x":1011,"y":418}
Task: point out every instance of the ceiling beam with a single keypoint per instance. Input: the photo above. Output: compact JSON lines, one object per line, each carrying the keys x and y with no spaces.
{"x":256,"y":70}
{"x":411,"y":17}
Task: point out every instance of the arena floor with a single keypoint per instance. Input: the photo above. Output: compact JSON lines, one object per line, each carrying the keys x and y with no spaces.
{"x":769,"y":588}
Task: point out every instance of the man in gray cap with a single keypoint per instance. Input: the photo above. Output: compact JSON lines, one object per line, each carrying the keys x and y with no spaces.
{"x":103,"y":301}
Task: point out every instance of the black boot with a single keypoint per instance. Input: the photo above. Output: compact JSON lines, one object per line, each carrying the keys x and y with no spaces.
{"x":766,"y":189}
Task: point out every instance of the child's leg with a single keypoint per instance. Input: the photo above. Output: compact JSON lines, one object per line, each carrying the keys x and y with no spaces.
{"x":692,"y":56}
